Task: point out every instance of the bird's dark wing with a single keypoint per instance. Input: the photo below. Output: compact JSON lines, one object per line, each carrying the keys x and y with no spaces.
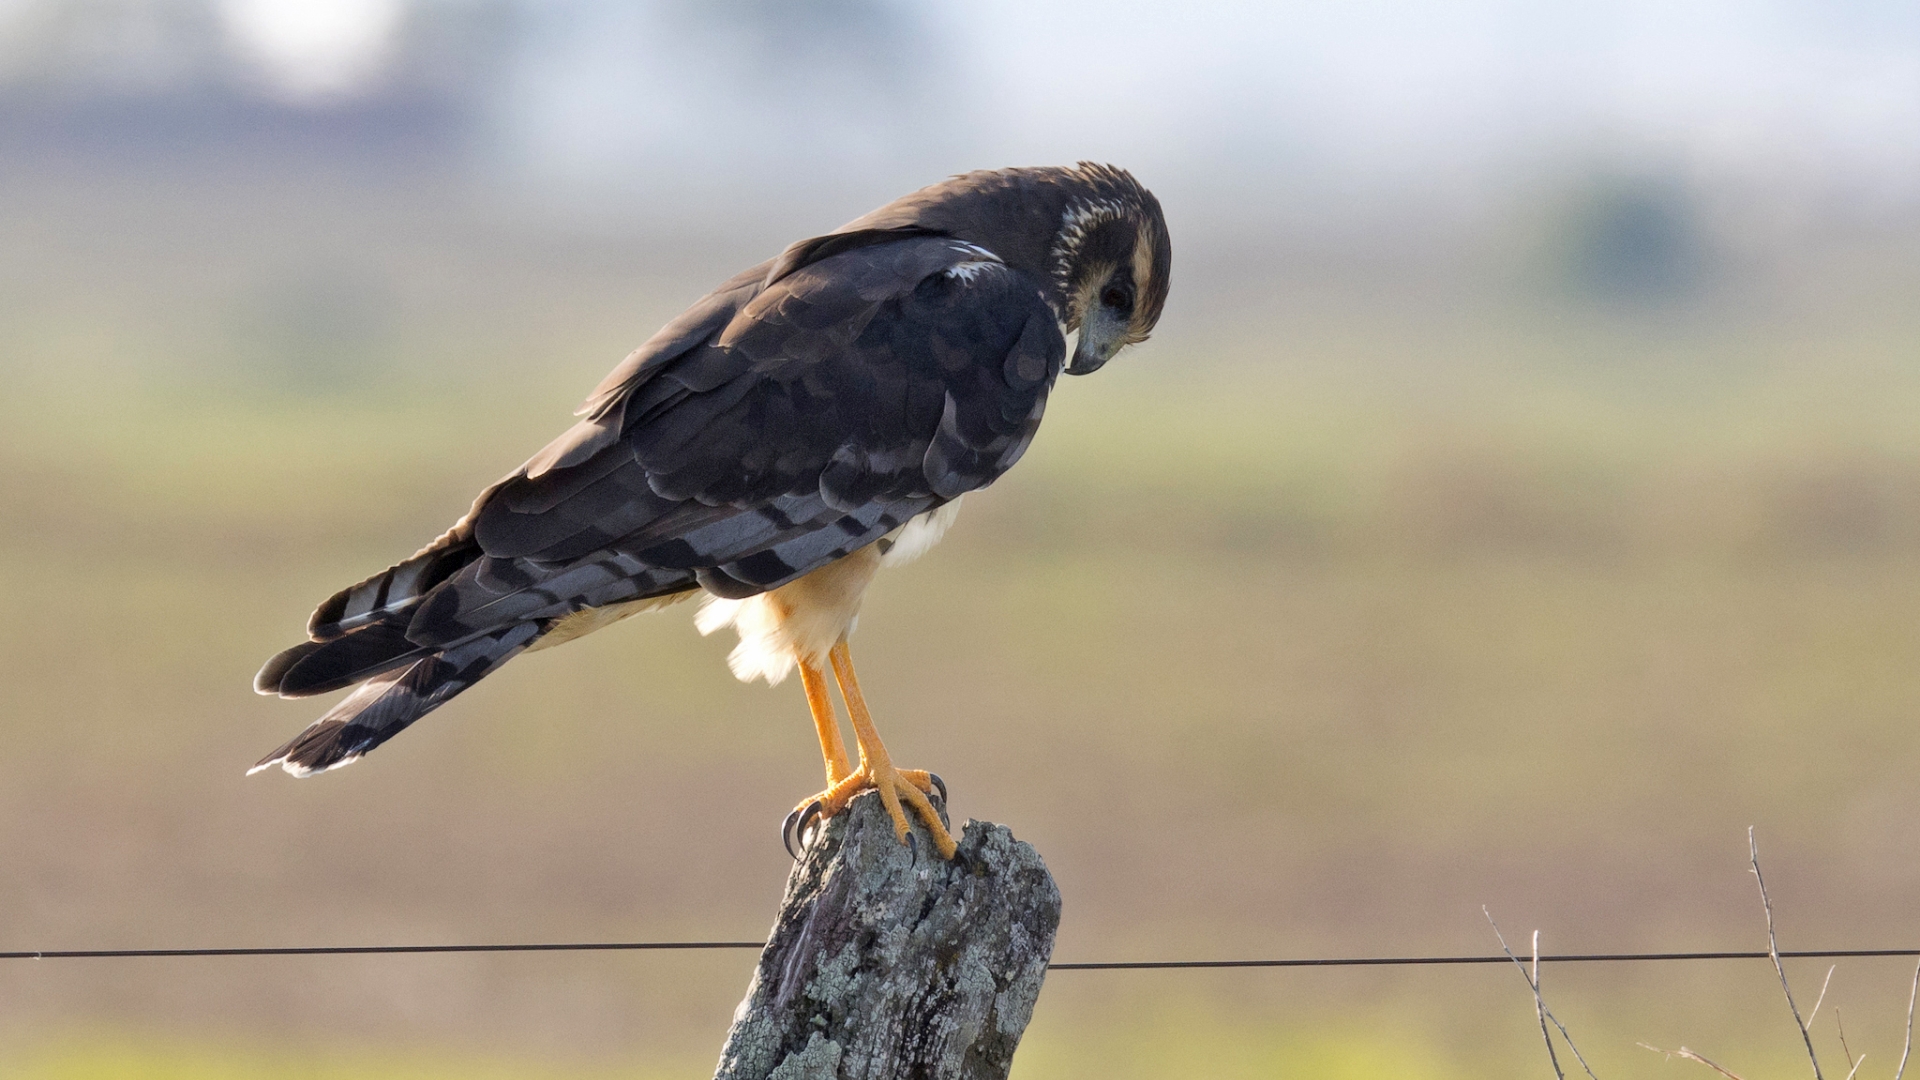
{"x":853,"y":393}
{"x":401,"y":587}
{"x":775,"y":427}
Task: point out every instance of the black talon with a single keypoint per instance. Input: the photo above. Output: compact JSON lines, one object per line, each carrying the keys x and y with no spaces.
{"x":786,"y":834}
{"x":807,"y":816}
{"x":913,"y":847}
{"x":940,"y":807}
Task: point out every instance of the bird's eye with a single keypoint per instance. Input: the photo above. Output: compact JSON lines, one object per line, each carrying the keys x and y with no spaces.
{"x":1118,"y":298}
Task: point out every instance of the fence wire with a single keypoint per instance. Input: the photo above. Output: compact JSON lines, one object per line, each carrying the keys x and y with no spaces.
{"x":1113,"y":965}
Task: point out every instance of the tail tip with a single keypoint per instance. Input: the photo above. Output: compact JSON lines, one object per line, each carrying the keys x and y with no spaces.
{"x":315,"y":750}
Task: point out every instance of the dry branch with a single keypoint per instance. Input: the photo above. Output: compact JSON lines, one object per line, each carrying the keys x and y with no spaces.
{"x":1853,"y":1066}
{"x":1825,"y":983}
{"x":1683,"y":1052}
{"x":1907,"y":1050}
{"x":1540,"y":1003}
{"x":1773,"y":951}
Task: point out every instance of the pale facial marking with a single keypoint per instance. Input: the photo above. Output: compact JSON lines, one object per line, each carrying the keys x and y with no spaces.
{"x":1078,"y":219}
{"x":1142,"y":279}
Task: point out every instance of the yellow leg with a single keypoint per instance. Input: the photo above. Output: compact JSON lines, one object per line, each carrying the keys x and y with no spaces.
{"x":825,"y":722}
{"x":876,"y":766}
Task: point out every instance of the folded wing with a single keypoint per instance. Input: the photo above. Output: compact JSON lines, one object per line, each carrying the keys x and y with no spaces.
{"x":798,"y":413}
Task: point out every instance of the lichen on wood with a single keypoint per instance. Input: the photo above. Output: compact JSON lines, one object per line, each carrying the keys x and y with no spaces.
{"x":887,"y":961}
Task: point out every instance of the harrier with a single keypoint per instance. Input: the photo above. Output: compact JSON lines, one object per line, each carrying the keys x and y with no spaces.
{"x":812,"y":420}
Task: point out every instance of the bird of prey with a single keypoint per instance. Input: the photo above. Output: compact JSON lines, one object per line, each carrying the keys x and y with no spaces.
{"x":813,"y":419}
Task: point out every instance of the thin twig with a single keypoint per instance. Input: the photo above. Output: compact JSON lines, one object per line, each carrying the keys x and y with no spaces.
{"x":1908,"y":1049}
{"x":1540,"y":1003}
{"x":1773,"y":951}
{"x":1824,"y":983}
{"x":1844,"y":1048}
{"x":1853,"y":1066}
{"x":1533,"y":984}
{"x":1691,"y":1056}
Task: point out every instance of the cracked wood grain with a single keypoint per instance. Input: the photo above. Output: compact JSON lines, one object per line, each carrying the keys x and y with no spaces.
{"x":886,"y":962}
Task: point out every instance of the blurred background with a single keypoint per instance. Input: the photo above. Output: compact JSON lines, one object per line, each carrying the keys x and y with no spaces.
{"x":1520,"y":498}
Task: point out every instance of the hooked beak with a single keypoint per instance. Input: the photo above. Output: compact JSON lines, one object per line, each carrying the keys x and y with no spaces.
{"x":1085,"y":362}
{"x":1101,"y":335}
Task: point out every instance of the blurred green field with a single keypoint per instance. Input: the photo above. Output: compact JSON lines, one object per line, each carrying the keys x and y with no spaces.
{"x":1308,"y":629}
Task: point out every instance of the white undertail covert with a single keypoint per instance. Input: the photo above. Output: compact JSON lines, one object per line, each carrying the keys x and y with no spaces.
{"x":804,"y":618}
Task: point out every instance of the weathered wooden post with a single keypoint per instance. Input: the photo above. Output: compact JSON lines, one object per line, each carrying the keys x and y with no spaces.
{"x":887,"y":962}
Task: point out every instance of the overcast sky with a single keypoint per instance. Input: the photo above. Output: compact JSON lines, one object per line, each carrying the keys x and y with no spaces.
{"x":1354,"y":96}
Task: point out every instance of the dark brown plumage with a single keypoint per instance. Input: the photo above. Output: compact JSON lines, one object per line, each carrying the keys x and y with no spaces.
{"x":799,"y":413}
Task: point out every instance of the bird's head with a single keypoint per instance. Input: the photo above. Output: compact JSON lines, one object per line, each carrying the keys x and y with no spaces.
{"x":1110,"y":260}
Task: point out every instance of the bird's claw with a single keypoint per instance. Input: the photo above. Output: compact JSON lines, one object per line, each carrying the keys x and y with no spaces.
{"x":786,"y":834}
{"x":941,"y":806}
{"x":808,"y":819}
{"x":925,"y":792}
{"x":795,"y":828}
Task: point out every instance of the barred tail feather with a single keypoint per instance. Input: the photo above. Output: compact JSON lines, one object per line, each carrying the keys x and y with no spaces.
{"x":319,"y":667}
{"x":399,"y":587}
{"x":381,"y":707}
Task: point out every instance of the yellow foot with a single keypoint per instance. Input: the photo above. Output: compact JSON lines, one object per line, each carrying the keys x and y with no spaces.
{"x":896,"y":786}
